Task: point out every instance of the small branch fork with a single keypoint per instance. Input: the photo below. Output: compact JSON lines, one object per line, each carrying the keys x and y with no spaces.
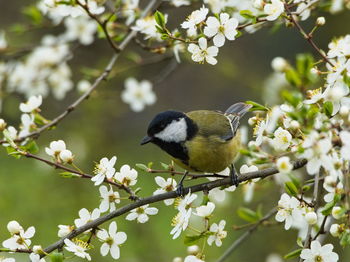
{"x":307,"y":36}
{"x":245,"y":236}
{"x":168,"y":195}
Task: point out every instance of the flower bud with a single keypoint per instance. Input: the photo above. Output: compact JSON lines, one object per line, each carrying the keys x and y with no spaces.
{"x":335,"y":230}
{"x":344,"y":111}
{"x":258,"y":4}
{"x":14,"y":227}
{"x":66,"y":156}
{"x":337,"y":212}
{"x":37,"y":249}
{"x":279,"y":64}
{"x":311,"y":218}
{"x":193,"y":250}
{"x":314,"y":71}
{"x":83,"y":86}
{"x":177,"y":259}
{"x":2,"y":124}
{"x":294,"y":124}
{"x":252,"y":121}
{"x":320,"y":21}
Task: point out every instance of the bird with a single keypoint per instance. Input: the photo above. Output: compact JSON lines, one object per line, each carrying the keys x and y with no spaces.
{"x":203,"y":141}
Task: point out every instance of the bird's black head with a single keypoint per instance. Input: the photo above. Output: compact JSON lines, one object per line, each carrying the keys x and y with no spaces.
{"x":170,"y":127}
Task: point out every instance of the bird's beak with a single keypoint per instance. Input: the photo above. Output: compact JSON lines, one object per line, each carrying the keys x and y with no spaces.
{"x":146,"y":140}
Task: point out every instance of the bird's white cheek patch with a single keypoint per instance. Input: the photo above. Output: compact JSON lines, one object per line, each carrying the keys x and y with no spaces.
{"x":176,"y":131}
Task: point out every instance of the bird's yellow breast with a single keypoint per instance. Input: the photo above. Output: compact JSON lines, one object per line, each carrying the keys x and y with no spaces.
{"x":210,"y":154}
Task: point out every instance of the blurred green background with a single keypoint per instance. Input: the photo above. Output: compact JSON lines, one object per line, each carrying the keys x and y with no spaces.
{"x":34,"y":194}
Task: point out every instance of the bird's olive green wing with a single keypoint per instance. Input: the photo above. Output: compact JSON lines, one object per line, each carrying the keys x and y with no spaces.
{"x":212,"y":123}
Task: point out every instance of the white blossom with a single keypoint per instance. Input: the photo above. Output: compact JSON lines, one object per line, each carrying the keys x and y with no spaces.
{"x":260,"y":129}
{"x":288,"y":210}
{"x":138,"y":94}
{"x":81,"y":28}
{"x":221,"y":29}
{"x":19,"y":240}
{"x":111,"y":240}
{"x":249,"y":185}
{"x":109,"y":199}
{"x":14,"y":227}
{"x":33,"y":104}
{"x":335,"y":230}
{"x":141,"y":213}
{"x":282,"y":139}
{"x":64,"y":230}
{"x":56,"y":147}
{"x":192,"y":258}
{"x":284,"y":165}
{"x":316,"y":252}
{"x":195,"y":18}
{"x":279,"y":64}
{"x":105,"y":169}
{"x":66,"y":156}
{"x":165,"y":186}
{"x":77,"y":248}
{"x":85,"y":216}
{"x":205,"y":210}
{"x":83,"y":86}
{"x":311,"y":218}
{"x":147,"y":26}
{"x":337,"y":212}
{"x":126,"y":176}
{"x":186,"y":202}
{"x":345,"y":149}
{"x":274,"y":9}
{"x":180,"y":222}
{"x":218,"y":233}
{"x":202,"y":52}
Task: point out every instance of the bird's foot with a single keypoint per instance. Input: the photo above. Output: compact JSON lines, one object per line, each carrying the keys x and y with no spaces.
{"x":180,"y":190}
{"x":234,"y":176}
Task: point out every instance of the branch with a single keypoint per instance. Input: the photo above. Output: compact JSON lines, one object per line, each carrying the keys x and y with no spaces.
{"x":98,"y":80}
{"x":243,"y":237}
{"x":168,"y":195}
{"x":82,"y":175}
{"x":308,"y":37}
{"x":103,"y":25}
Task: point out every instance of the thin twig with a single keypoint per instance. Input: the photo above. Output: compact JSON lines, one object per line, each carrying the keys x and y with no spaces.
{"x":168,"y":195}
{"x":103,"y":26}
{"x":243,"y":237}
{"x":82,"y":175}
{"x":308,"y":37}
{"x":314,"y":201}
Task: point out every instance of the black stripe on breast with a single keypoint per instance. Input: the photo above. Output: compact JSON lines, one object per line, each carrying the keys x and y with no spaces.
{"x":176,"y":150}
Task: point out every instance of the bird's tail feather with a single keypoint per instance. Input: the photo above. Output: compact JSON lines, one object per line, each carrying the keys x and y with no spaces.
{"x":238,"y":109}
{"x":235,"y":112}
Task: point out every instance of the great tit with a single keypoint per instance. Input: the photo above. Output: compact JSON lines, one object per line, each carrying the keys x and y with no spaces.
{"x":200,"y":141}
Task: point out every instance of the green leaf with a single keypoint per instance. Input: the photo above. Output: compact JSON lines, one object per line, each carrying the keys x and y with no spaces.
{"x":191,"y":240}
{"x":56,"y":257}
{"x":328,"y":108}
{"x":31,"y":147}
{"x":165,"y":166}
{"x":304,"y":63}
{"x":160,"y":19}
{"x":142,"y":167}
{"x":345,"y":239}
{"x":256,"y":106}
{"x":291,"y":188}
{"x":293,"y":254}
{"x":68,"y":175}
{"x":293,"y":77}
{"x":247,"y":14}
{"x":248,"y":214}
{"x":293,"y":98}
{"x":33,"y":13}
{"x":13,"y":152}
{"x":327,"y":210}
